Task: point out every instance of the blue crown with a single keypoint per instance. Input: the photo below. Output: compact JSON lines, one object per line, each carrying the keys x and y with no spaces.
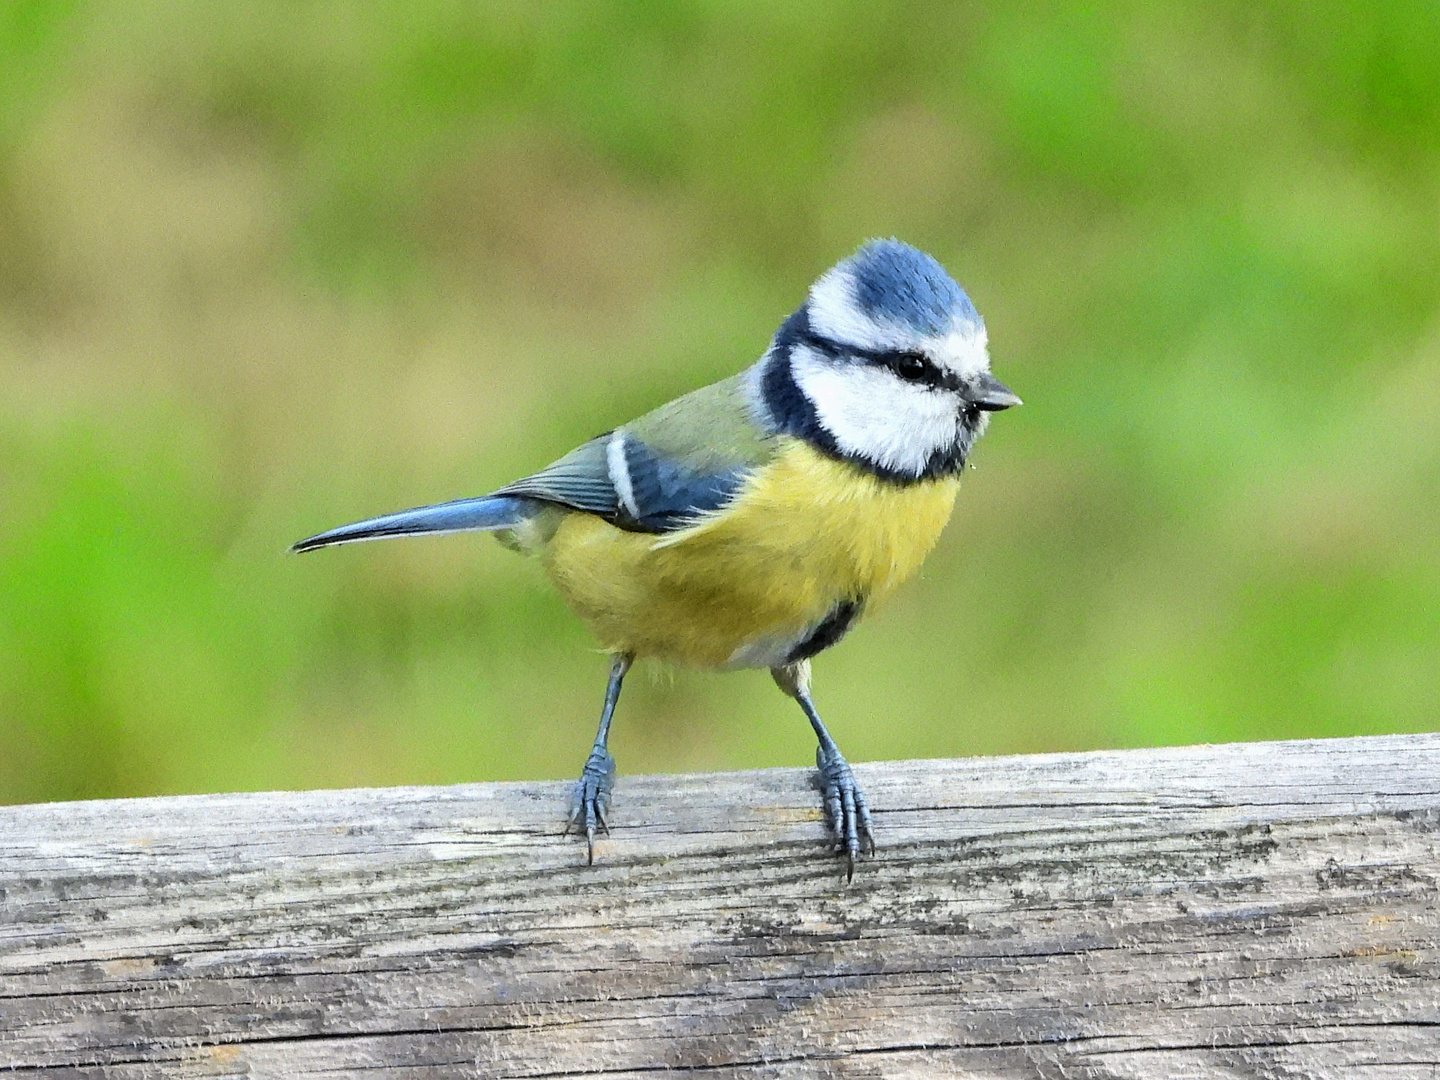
{"x":895,"y":282}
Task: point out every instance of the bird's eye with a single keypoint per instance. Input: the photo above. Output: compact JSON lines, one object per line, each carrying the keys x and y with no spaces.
{"x":910,"y":367}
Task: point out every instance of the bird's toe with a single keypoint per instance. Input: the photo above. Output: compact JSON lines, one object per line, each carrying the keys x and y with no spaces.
{"x":590,"y":800}
{"x":846,"y":812}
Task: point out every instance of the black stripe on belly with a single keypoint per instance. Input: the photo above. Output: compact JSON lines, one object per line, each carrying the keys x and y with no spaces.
{"x":827,"y":631}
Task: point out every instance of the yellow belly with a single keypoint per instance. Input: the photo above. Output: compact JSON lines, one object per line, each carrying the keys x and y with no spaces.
{"x":805,"y":533}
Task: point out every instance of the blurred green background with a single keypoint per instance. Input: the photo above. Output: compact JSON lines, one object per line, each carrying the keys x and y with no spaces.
{"x":267,"y":267}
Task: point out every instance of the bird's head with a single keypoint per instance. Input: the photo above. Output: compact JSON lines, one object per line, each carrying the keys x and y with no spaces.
{"x":885,"y":365}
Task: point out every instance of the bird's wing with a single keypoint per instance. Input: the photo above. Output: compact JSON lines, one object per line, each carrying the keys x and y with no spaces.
{"x":663,"y":471}
{"x":580,"y":480}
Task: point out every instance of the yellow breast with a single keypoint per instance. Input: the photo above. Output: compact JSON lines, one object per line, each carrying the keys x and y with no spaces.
{"x":805,"y":533}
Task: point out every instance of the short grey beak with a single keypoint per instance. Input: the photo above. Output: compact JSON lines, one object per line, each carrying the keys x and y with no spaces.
{"x":989,"y":393}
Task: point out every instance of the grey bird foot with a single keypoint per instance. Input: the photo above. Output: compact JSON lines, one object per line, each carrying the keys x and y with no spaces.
{"x":846,"y":811}
{"x":590,"y":800}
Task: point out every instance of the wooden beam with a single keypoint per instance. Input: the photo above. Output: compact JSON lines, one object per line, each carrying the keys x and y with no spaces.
{"x":1251,"y":910}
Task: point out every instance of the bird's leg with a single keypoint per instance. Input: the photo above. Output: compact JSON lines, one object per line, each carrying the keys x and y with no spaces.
{"x":845,"y":808}
{"x":590,"y":799}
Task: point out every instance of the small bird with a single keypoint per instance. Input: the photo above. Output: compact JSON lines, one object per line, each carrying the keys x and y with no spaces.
{"x":750,"y":523}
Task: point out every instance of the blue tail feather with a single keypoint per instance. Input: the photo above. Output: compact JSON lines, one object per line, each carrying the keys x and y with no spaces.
{"x":463,"y":515}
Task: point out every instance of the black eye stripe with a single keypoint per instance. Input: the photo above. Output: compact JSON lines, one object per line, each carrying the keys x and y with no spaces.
{"x":900,"y":361}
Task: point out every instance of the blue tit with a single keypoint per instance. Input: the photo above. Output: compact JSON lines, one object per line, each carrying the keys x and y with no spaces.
{"x":751,"y":523}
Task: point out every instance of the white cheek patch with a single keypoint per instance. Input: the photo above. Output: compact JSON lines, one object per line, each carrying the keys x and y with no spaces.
{"x":875,"y":415}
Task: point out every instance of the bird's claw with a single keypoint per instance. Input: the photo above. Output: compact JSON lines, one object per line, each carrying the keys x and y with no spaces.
{"x":846,"y":811}
{"x":590,"y":800}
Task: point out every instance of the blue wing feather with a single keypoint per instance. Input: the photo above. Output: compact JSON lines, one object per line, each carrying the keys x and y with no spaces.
{"x":664,"y":494}
{"x":668,"y":495}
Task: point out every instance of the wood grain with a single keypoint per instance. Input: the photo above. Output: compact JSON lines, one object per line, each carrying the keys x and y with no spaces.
{"x":1263,"y":910}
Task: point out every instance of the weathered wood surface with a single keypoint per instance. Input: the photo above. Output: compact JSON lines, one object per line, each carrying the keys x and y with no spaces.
{"x":1265,"y":910}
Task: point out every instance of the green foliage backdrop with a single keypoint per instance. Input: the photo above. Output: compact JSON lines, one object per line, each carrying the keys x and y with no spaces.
{"x":270,"y":266}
